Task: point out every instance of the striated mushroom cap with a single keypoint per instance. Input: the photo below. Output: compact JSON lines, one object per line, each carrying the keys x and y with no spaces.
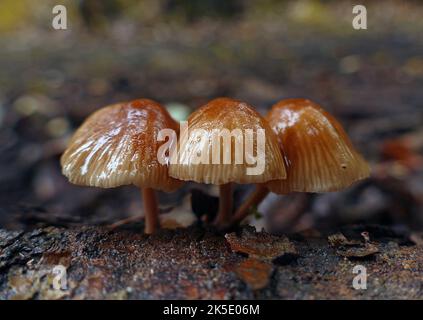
{"x":226,"y":115}
{"x":117,"y":145}
{"x":319,"y":155}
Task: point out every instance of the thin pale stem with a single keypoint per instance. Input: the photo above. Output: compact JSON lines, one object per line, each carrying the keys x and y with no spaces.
{"x":253,"y":200}
{"x":151,"y":210}
{"x":225,"y":205}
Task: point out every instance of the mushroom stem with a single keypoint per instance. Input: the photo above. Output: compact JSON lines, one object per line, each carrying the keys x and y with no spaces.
{"x":225,"y":205}
{"x":253,"y":200}
{"x":151,"y":210}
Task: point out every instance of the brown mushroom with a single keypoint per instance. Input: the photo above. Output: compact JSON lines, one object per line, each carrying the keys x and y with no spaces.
{"x":319,"y":155}
{"x":118,"y":145}
{"x":203,"y":158}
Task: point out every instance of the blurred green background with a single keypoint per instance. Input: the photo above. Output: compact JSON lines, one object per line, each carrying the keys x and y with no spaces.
{"x":184,"y":53}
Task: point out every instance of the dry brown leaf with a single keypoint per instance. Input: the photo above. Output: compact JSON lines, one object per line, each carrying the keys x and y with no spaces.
{"x":260,"y":245}
{"x":367,"y":250}
{"x":338,"y":240}
{"x":256,"y":273}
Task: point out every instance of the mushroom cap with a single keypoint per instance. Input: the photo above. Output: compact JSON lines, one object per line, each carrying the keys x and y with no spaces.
{"x":117,"y":145}
{"x":319,"y":155}
{"x":220,"y":114}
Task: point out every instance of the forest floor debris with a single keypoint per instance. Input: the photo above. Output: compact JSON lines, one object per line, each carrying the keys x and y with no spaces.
{"x":197,"y":263}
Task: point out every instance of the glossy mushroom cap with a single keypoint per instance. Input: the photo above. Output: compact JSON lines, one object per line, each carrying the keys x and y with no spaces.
{"x":117,"y":145}
{"x":230,"y":114}
{"x":319,"y":155}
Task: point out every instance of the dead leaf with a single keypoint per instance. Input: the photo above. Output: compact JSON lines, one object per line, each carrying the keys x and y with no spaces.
{"x":353,"y":248}
{"x":404,"y":151}
{"x":338,"y":240}
{"x":256,"y":273}
{"x":367,"y":250}
{"x":260,"y":245}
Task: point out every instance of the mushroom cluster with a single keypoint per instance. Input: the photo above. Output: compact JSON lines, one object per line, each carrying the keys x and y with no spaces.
{"x":297,"y":147}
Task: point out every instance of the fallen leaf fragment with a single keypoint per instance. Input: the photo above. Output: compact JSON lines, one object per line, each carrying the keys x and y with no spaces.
{"x":353,"y":248}
{"x":256,"y":273}
{"x":338,"y":240}
{"x":260,"y":245}
{"x":359,"y":252}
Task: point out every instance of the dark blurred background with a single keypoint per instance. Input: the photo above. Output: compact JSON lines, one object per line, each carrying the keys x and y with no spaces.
{"x":183,"y":53}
